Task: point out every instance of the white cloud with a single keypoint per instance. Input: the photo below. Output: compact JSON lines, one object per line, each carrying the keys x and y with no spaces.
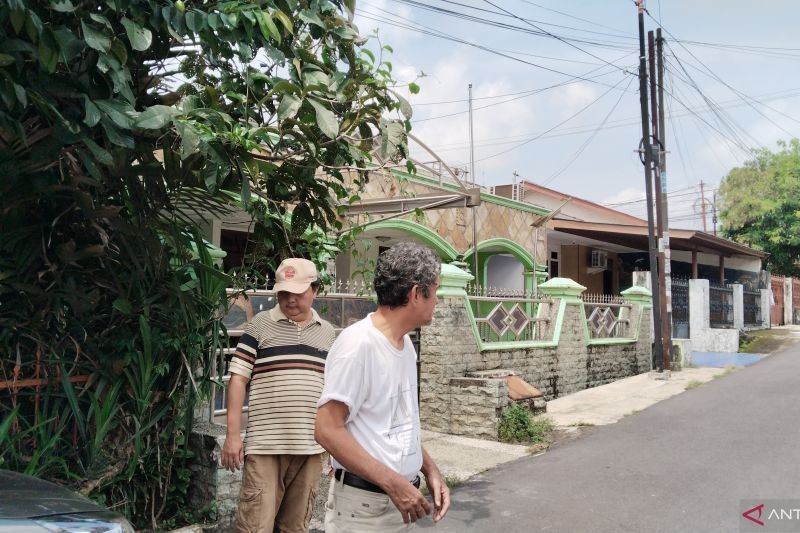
{"x":448,"y":81}
{"x":572,"y":98}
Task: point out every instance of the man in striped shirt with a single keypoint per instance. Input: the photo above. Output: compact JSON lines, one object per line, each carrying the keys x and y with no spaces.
{"x":281,"y":355}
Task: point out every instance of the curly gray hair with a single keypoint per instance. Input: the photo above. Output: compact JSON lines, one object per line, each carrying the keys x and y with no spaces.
{"x":400,"y":268}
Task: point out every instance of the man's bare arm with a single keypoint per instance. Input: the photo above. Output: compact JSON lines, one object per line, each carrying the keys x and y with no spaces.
{"x":436,"y":485}
{"x":233,"y":449}
{"x":331,"y":433}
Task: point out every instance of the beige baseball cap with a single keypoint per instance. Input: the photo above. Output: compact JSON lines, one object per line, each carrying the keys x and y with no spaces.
{"x":295,"y":275}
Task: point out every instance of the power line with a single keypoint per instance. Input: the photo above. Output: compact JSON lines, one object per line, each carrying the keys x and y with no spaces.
{"x":574,"y":17}
{"x":588,"y":141}
{"x":553,"y":35}
{"x":556,"y":126}
{"x":670,"y":194}
{"x":620,"y":34}
{"x":510,"y":27}
{"x":672,"y":121}
{"x":436,"y":33}
{"x":737,"y":92}
{"x":725,"y":123}
{"x":746,"y":99}
{"x":462,"y":100}
{"x":759,"y":102}
{"x":614,"y":124}
{"x":736,"y":141}
{"x":531,"y":93}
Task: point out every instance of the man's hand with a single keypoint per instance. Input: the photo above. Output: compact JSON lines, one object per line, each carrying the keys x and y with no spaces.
{"x":408,"y":499}
{"x":233,"y":452}
{"x":440,"y":492}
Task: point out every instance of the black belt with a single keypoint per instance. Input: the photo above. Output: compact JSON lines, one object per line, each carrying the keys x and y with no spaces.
{"x":361,"y":483}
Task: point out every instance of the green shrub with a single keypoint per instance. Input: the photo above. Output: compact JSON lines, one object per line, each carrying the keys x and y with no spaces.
{"x":517,"y":424}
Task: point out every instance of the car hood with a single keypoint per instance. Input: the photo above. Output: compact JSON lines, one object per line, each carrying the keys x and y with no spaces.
{"x":23,"y":496}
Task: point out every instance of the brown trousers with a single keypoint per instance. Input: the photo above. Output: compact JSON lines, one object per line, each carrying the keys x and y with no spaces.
{"x":278,"y":493}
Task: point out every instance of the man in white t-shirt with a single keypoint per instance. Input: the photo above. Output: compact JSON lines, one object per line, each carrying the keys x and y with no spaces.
{"x":368,"y":417}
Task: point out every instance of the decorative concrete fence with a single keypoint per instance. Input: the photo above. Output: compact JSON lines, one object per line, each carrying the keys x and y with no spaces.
{"x":464,"y":378}
{"x":718,"y":314}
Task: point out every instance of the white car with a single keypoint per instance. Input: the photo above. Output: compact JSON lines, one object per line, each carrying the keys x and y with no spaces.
{"x":31,"y":505}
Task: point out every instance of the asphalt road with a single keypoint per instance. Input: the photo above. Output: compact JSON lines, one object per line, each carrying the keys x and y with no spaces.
{"x":685,"y":464}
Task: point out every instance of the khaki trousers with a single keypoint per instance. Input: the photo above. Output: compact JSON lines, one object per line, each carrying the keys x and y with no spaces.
{"x":352,"y":510}
{"x":278,"y":493}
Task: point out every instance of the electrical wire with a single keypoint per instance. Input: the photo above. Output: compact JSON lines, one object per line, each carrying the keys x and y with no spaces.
{"x":620,"y":34}
{"x":671,"y":121}
{"x":537,"y":31}
{"x":671,"y":194}
{"x":563,"y":40}
{"x":531,"y":93}
{"x":527,"y":141}
{"x":737,"y":92}
{"x":761,"y":103}
{"x":614,"y":124}
{"x":587,"y":142}
{"x":442,"y":35}
{"x":736,"y":141}
{"x":575,"y":17}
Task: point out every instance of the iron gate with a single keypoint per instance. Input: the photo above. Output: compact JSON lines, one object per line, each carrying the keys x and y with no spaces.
{"x":680,"y":308}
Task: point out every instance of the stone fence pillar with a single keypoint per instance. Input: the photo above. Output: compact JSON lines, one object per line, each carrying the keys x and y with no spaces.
{"x":642,"y":314}
{"x":563,"y":289}
{"x":738,"y":306}
{"x":699,"y":317}
{"x":448,"y":349}
{"x":765,"y":309}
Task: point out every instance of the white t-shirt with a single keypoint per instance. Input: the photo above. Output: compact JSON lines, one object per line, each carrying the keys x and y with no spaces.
{"x":378,"y":383}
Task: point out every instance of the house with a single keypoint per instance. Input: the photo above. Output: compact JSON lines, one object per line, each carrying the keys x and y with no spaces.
{"x":492,"y":236}
{"x":601,"y":248}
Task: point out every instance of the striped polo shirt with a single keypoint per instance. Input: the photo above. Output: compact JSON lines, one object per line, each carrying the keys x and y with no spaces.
{"x":285,"y":364}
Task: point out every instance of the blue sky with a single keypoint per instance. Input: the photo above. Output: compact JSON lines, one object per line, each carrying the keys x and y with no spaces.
{"x":738,"y":57}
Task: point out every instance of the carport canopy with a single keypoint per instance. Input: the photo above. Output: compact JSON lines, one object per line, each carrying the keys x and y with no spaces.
{"x":636,"y":237}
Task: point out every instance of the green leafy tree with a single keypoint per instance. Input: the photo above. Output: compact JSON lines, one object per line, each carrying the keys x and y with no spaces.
{"x":123,"y":124}
{"x":760,"y":206}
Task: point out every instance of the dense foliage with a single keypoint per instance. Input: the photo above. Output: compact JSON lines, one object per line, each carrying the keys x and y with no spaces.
{"x":124,"y":126}
{"x":760,"y":206}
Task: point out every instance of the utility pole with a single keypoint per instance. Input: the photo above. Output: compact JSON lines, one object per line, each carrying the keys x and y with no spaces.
{"x":658,"y":352}
{"x":471,"y":140}
{"x":703,"y":205}
{"x":714,"y":213}
{"x":663,"y":212}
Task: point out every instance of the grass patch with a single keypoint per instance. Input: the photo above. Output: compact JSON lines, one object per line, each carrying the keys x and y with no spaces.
{"x":581,"y":423}
{"x":518,"y":425}
{"x":634,"y":412}
{"x":451,"y":481}
{"x":693,"y":384}
{"x":730,"y":369}
{"x":765,"y":340}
